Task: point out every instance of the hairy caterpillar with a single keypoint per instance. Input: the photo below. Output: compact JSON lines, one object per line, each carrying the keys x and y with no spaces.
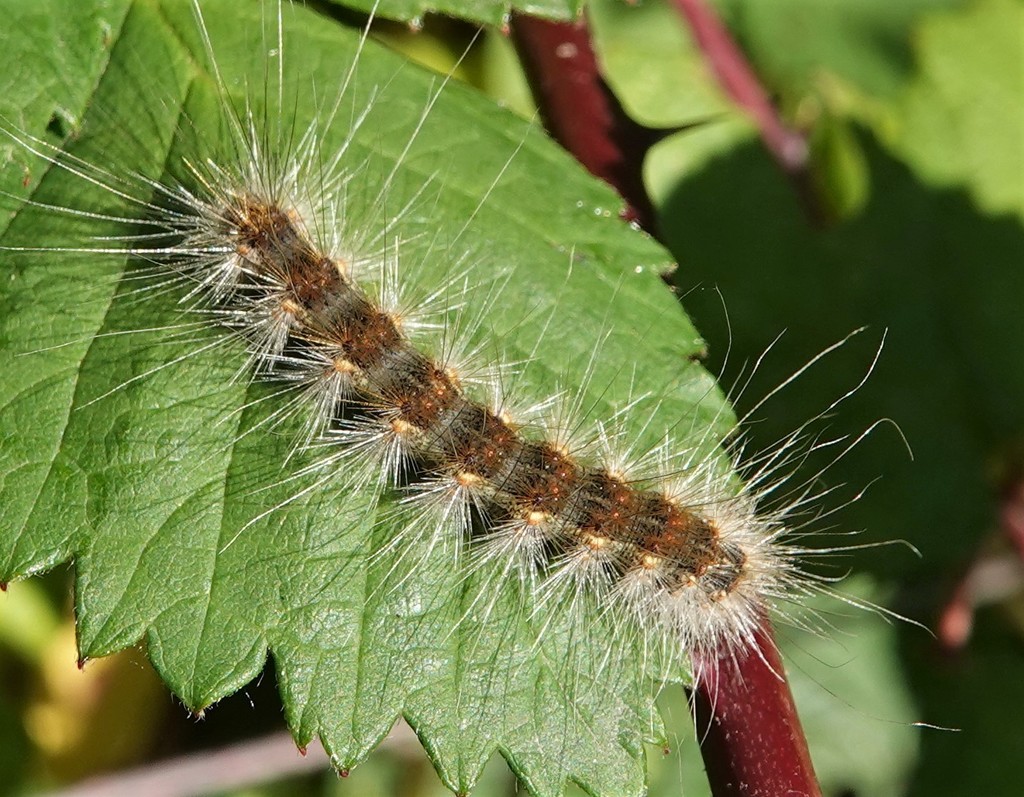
{"x":263,"y":225}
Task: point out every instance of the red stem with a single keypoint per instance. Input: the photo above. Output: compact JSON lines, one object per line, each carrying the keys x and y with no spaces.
{"x":581,"y":112}
{"x":956,"y":620}
{"x":737,"y":78}
{"x":752,"y":741}
{"x":787,"y":146}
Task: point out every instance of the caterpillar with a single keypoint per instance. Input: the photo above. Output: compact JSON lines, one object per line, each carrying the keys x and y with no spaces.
{"x":447,"y":540}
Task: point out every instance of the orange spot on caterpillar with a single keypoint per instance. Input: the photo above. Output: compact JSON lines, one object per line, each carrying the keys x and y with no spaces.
{"x":469,"y":480}
{"x":650,"y":562}
{"x":402,"y":428}
{"x":452,"y":375}
{"x":345,"y":367}
{"x":289,"y":307}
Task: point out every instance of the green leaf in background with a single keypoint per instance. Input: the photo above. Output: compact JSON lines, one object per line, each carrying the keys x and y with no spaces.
{"x":632,"y":39}
{"x":970,"y":72}
{"x":144,"y":458}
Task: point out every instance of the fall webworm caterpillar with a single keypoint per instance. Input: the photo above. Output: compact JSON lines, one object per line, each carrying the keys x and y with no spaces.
{"x":278,"y":231}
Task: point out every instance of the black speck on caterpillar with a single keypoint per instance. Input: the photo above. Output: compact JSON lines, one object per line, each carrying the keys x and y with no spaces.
{"x":271,"y":348}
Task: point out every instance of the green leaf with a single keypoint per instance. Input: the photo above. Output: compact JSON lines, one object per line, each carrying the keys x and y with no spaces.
{"x":132,"y":446}
{"x":633,"y":38}
{"x":970,"y":72}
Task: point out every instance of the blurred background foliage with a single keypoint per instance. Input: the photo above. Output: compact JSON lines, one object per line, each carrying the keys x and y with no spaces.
{"x":913,"y":227}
